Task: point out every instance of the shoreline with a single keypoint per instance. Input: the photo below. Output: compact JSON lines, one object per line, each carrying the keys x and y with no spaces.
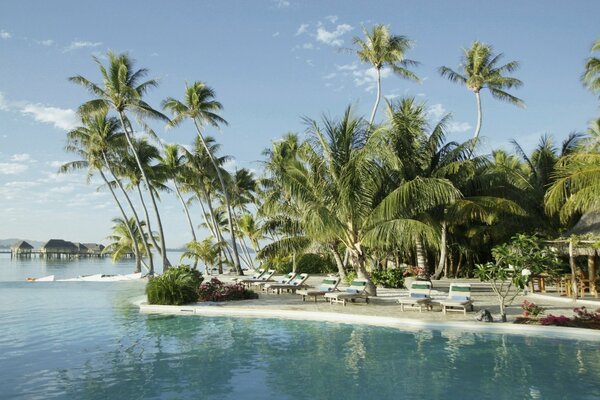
{"x":383,"y":312}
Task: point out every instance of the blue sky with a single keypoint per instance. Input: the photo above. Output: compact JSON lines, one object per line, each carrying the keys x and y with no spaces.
{"x":271,"y":62}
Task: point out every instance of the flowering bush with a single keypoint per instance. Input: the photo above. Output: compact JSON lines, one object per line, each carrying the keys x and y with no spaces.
{"x":416,"y":271}
{"x":555,"y":320}
{"x":531,"y":309}
{"x":582,"y":314}
{"x":215,"y":290}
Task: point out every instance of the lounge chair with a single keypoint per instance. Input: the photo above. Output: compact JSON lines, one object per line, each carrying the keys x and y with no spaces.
{"x":283,"y":280}
{"x":257,"y":274}
{"x":296,"y":283}
{"x":419,"y":295}
{"x":459,"y":298}
{"x":356,"y":290}
{"x":265,"y":276}
{"x":328,"y":285}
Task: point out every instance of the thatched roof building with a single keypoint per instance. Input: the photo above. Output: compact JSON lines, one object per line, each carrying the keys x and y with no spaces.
{"x":21,"y":246}
{"x":59,"y":246}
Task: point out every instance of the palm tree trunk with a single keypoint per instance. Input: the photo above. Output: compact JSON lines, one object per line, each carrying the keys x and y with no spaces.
{"x":186,"y":210}
{"x":378,"y":97}
{"x":421,"y":263}
{"x":443,"y":252}
{"x":338,"y":262}
{"x":135,"y":216}
{"x":136,"y":249}
{"x":236,"y":257}
{"x":152,"y":238}
{"x":163,"y":247}
{"x":479,"y":115}
{"x":213,"y":215}
{"x":361,"y":270}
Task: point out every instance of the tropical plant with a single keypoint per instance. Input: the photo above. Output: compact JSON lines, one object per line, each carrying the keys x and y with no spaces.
{"x":591,"y":74}
{"x":380,"y":48}
{"x":206,"y":251}
{"x":215,"y":290}
{"x":96,"y":141}
{"x":200,"y":106}
{"x":178,"y":285}
{"x":124,"y":238}
{"x":389,"y":278}
{"x":122,"y":91}
{"x":480,"y":69}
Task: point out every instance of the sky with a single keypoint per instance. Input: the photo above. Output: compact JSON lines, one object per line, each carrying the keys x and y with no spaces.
{"x":271,"y":63}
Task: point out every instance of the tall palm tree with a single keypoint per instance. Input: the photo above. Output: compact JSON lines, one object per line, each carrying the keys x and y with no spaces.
{"x":591,"y":74}
{"x":381,"y":48}
{"x":480,"y":69}
{"x":200,"y":106}
{"x":96,"y":141}
{"x":122,"y":90}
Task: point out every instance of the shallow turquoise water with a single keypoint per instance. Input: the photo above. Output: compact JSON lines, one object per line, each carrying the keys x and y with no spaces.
{"x":84,"y":340}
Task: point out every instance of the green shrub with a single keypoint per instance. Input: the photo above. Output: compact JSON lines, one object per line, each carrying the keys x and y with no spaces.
{"x":215,"y":290}
{"x":389,"y":278}
{"x":314,"y":264}
{"x":179,"y":285}
{"x":350,"y":276}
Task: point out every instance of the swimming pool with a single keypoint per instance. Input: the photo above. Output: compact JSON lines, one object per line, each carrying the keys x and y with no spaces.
{"x":63,"y":340}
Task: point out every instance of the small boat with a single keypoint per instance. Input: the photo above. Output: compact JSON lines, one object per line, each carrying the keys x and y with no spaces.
{"x":49,"y":278}
{"x":104,"y":278}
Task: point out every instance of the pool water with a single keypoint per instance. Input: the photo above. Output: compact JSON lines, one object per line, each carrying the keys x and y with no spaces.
{"x":85,"y":340}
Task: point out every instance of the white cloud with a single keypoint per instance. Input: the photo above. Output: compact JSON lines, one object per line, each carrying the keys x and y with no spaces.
{"x":332,"y":18}
{"x":5,"y":35}
{"x":281,"y":3}
{"x":302,"y":29}
{"x":20,"y":157}
{"x":333,"y":38}
{"x":275,"y":34}
{"x":308,"y":46}
{"x":458,"y":127}
{"x":63,"y":189}
{"x":436,"y":111}
{"x":391,"y":96}
{"x":3,"y":103}
{"x":61,"y":118}
{"x":347,"y":67}
{"x":12,"y":168}
{"x":368,"y":77}
{"x":56,"y":164}
{"x":330,"y":76}
{"x":47,"y":42}
{"x":80,"y":45}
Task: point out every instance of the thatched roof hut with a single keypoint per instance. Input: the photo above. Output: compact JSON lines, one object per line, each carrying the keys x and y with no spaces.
{"x":59,"y":246}
{"x":21,"y":246}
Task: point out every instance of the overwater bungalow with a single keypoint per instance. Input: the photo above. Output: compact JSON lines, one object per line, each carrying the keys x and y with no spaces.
{"x":21,"y":249}
{"x":91,"y":249}
{"x":57,"y":248}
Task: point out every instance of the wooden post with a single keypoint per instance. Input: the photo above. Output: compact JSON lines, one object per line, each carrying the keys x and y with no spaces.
{"x":573,"y":270}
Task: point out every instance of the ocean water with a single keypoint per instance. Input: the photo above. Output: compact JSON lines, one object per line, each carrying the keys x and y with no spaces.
{"x":85,"y":340}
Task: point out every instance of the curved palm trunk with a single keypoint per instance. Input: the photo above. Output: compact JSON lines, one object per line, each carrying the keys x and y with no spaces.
{"x":135,"y":216}
{"x":479,"y":119}
{"x":421,"y":260}
{"x":186,"y":210}
{"x":136,"y":249}
{"x":378,"y":97}
{"x":215,"y":222}
{"x":338,"y":262}
{"x":361,"y":270}
{"x":443,"y":251}
{"x":236,"y":257}
{"x":163,"y":247}
{"x":152,"y":238}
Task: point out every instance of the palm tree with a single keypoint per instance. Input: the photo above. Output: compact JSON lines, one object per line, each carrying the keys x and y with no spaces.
{"x":122,"y":91}
{"x":206,"y":251}
{"x":124,"y":238}
{"x":380,"y":48}
{"x":479,"y":70}
{"x":96,"y":141}
{"x":174,"y":164}
{"x":200,"y":106}
{"x":591,"y":74}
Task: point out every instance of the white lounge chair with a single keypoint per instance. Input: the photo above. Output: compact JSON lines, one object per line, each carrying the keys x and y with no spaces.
{"x":264,"y":277}
{"x":419,"y":295}
{"x":283,"y":280}
{"x":257,"y":274}
{"x":459,"y":298}
{"x":356,"y":290}
{"x":328,"y":285}
{"x":296,"y":283}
